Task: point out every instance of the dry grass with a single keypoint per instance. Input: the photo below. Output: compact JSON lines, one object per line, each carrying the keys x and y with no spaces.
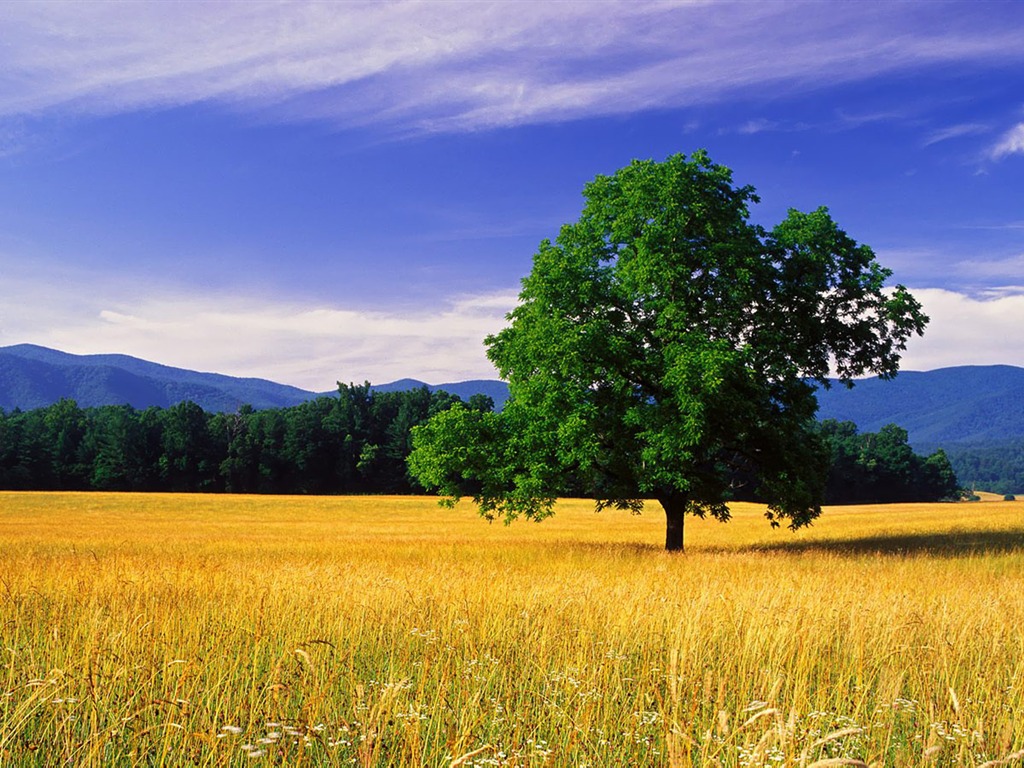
{"x":201,"y":630}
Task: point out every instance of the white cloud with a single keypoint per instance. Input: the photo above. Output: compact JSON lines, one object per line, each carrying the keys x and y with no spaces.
{"x":314,"y":347}
{"x":1011,"y":143}
{"x":971,"y":276}
{"x":439,"y":66}
{"x":758,"y":125}
{"x":967,"y":331}
{"x":308,"y":347}
{"x":954,"y":132}
{"x":1011,"y":268}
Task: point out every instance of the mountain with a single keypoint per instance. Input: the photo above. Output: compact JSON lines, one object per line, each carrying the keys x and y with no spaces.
{"x":965,"y":404}
{"x":977,"y":405}
{"x":496,"y":390}
{"x":34,"y":377}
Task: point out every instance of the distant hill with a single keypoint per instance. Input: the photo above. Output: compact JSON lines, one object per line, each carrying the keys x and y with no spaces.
{"x":974,"y":413}
{"x":975,"y":405}
{"x":496,"y":390}
{"x":34,"y":377}
{"x":961,"y":405}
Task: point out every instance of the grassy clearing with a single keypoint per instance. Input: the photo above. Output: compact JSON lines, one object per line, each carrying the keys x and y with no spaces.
{"x":202,"y":630}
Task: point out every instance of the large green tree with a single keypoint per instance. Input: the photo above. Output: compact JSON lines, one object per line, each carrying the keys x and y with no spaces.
{"x":667,"y":347}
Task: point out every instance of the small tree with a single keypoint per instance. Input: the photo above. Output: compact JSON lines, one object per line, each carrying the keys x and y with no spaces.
{"x":666,"y":347}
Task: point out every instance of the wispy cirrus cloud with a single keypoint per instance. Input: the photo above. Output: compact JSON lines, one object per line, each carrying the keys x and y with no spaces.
{"x":1003,"y":226}
{"x":954,"y":132}
{"x":977,"y":275}
{"x":1010,"y":143}
{"x":758,"y":125}
{"x":436,"y":67}
{"x":1009,"y":268}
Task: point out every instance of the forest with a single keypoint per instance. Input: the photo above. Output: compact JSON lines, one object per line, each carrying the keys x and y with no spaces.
{"x":355,"y":443}
{"x":882,"y":467}
{"x":995,"y":466}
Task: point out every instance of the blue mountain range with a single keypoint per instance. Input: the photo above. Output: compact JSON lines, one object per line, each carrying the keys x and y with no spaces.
{"x":965,"y":404}
{"x":34,"y":377}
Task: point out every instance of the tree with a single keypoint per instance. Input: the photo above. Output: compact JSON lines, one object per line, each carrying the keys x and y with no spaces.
{"x":65,"y":433}
{"x":666,"y":347}
{"x":189,"y":461}
{"x":939,"y":479}
{"x":882,"y":468}
{"x":128,"y":446}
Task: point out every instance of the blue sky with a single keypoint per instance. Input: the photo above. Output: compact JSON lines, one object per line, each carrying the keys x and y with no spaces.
{"x":352,"y":191}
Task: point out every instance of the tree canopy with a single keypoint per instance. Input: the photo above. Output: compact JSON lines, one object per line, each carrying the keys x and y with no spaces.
{"x":875,"y":468}
{"x":667,"y":347}
{"x":356,"y":442}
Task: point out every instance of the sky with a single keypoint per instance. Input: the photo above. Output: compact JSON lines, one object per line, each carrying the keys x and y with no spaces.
{"x":323,"y":192}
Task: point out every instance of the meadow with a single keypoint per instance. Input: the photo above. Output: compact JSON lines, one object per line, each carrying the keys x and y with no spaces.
{"x":385,"y":631}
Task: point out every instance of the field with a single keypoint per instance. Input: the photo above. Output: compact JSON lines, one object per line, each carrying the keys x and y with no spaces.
{"x":229,"y":630}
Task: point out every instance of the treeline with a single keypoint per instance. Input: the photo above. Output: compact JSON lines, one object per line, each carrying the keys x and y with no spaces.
{"x":881,"y":467}
{"x":355,"y":443}
{"x":995,"y":467}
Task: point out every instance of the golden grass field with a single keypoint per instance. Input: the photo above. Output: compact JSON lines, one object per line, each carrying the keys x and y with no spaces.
{"x":242,"y":630}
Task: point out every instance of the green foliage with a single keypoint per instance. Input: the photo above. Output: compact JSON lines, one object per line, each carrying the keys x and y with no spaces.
{"x":666,"y":347}
{"x":882,"y":467}
{"x":355,"y":443}
{"x":65,"y":426}
{"x":1009,"y":497}
{"x":996,"y":467}
{"x":126,"y":448}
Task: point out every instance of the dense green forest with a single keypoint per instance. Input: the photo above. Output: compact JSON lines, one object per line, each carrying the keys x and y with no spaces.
{"x":997,"y":466}
{"x":354,"y":443}
{"x":879,"y":467}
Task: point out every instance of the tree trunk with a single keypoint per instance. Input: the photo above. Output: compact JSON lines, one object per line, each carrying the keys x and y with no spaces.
{"x":675,"y":514}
